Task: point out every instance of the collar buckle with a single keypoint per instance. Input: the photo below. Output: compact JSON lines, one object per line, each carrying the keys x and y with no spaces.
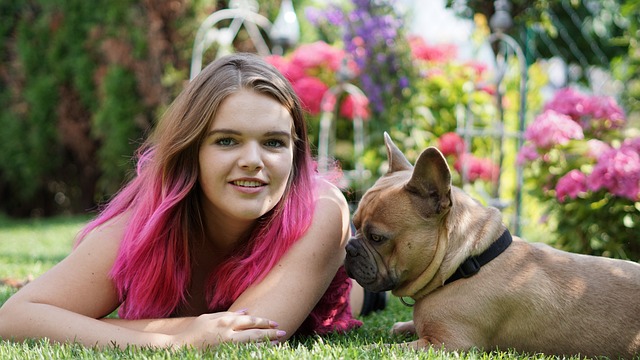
{"x":469,"y":267}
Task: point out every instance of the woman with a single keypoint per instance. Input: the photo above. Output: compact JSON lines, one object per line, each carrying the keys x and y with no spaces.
{"x":225,"y":234}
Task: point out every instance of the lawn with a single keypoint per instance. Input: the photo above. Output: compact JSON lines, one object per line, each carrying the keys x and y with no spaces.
{"x":30,"y":247}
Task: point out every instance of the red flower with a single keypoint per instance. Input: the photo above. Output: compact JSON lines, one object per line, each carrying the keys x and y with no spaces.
{"x":429,"y":52}
{"x":310,"y":90}
{"x":355,"y":105}
{"x":451,"y":144}
{"x":474,"y":168}
{"x":291,"y":72}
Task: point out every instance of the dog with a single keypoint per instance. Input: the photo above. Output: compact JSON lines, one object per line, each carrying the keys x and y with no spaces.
{"x":474,"y":284}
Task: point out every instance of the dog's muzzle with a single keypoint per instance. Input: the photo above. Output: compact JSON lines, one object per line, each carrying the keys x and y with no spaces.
{"x":360,"y":264}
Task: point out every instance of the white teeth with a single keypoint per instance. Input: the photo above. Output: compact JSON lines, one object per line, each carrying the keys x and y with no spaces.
{"x":247,"y":183}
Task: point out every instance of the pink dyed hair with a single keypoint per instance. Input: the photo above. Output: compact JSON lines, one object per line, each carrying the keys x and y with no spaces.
{"x":152,"y":268}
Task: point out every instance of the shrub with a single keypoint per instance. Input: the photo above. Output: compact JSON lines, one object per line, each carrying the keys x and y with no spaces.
{"x":580,"y":165}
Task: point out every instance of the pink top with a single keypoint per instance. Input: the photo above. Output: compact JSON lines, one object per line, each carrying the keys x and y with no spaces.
{"x":332,"y":313}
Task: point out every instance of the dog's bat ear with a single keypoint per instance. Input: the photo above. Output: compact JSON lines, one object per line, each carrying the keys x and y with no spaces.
{"x":431,"y":180}
{"x":397,"y":160}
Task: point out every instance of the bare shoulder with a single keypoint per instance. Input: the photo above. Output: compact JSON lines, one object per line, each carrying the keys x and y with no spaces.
{"x":329,"y":228}
{"x":108,"y":234}
{"x":328,"y":192}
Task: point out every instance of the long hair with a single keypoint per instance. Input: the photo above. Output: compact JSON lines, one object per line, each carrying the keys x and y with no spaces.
{"x":152,"y":270}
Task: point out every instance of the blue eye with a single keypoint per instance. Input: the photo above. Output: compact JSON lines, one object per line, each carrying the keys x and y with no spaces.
{"x":225,"y":142}
{"x":274,"y":143}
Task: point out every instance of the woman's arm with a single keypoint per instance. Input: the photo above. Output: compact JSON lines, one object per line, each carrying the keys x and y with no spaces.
{"x":295,"y":284}
{"x":66,"y":304}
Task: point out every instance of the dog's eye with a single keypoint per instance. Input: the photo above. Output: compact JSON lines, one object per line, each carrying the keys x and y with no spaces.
{"x":376,"y":238}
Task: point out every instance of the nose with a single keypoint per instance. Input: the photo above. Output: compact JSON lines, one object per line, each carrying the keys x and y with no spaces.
{"x":351,"y":248}
{"x":251,"y":157}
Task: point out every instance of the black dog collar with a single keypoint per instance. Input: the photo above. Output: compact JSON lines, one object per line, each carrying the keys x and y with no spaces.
{"x":473,"y":263}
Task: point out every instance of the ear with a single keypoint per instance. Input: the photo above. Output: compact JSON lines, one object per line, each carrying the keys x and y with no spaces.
{"x":431,"y":180}
{"x":397,"y":160}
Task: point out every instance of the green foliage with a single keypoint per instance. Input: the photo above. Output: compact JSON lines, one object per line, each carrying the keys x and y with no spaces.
{"x":582,"y":33}
{"x":115,"y":127}
{"x":29,"y":137}
{"x":626,"y":68}
{"x":599,"y":224}
{"x":67,"y":67}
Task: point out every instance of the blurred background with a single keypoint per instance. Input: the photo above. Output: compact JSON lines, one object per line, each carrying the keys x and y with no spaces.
{"x":83,"y":82}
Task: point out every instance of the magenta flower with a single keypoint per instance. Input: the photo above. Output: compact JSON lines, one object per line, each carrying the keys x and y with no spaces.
{"x":474,"y":168}
{"x":552,"y":128}
{"x":451,"y":144}
{"x":430,"y":52}
{"x":569,"y":102}
{"x":571,"y":184}
{"x":310,"y":90}
{"x":291,"y":72}
{"x":618,"y":171}
{"x":317,"y":55}
{"x":605,"y":113}
{"x":596,"y":148}
{"x":633,"y":143}
{"x":480,"y":68}
{"x":527,"y":153}
{"x":355,"y":105}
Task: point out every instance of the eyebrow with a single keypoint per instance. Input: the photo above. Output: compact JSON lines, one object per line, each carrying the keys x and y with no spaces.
{"x":235,"y":132}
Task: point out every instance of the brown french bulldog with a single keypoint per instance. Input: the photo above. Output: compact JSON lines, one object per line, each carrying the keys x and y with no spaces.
{"x":476,"y":286}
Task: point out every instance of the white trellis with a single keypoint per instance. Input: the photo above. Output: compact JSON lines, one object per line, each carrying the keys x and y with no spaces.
{"x":327,"y":134}
{"x":282,"y":33}
{"x":507,"y":49}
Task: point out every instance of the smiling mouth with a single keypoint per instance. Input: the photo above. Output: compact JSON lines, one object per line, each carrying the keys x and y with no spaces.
{"x":250,"y":184}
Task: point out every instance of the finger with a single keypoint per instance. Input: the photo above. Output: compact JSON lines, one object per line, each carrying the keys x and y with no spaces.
{"x":260,"y":335}
{"x":253,"y":322}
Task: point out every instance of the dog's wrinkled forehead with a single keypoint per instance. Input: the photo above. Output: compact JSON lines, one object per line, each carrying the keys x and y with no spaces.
{"x":379,"y":199}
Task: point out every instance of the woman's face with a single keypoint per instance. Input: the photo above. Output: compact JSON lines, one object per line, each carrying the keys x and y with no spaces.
{"x":246,"y":158}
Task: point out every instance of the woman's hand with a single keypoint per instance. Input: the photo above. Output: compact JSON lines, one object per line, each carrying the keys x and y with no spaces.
{"x":212,"y":329}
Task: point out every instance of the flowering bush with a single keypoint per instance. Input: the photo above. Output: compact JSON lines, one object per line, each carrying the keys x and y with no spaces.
{"x":415,"y":89}
{"x":312,"y":70}
{"x":466,"y":165}
{"x":579,"y":164}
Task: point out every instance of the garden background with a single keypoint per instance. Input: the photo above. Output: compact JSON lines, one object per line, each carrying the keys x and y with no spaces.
{"x":82,"y":83}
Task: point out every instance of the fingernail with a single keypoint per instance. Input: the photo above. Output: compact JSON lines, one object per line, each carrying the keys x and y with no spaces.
{"x":281,"y":333}
{"x":275,"y":342}
{"x":273,"y":324}
{"x":241,"y":311}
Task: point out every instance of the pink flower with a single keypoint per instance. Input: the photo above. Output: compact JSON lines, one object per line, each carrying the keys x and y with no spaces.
{"x":527,"y":153}
{"x":569,"y":102}
{"x":316,"y":55}
{"x":474,"y":168}
{"x":596,"y":148}
{"x":552,"y":128}
{"x":291,"y":72}
{"x":429,"y":52}
{"x":618,"y":171}
{"x":355,"y":105}
{"x":605,"y":112}
{"x":310,"y":90}
{"x":571,"y":184}
{"x":633,"y":143}
{"x":479,"y":67}
{"x":451,"y":144}
{"x":488,"y":88}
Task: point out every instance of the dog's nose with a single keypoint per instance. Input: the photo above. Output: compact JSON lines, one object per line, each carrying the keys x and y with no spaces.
{"x":351,"y":249}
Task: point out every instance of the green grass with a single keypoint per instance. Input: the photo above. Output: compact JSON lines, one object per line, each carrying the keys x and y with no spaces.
{"x":30,"y":247}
